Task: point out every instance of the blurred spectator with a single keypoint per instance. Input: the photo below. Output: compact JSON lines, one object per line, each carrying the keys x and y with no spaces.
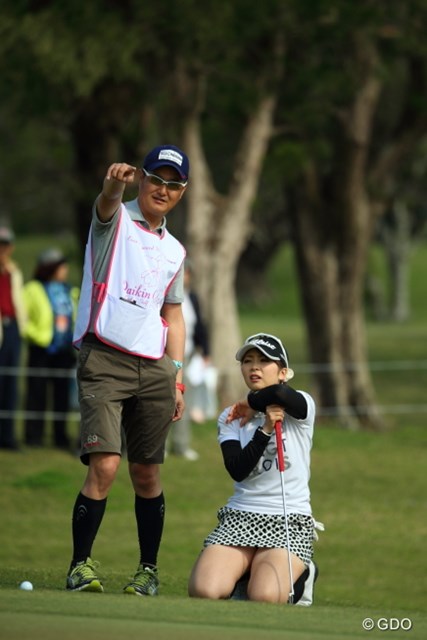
{"x":196,"y":365}
{"x":11,"y":326}
{"x":50,"y":303}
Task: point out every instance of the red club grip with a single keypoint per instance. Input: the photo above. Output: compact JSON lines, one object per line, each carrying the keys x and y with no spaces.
{"x":279,"y":443}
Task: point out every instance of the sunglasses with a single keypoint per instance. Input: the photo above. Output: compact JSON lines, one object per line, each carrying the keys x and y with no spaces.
{"x":157,"y":181}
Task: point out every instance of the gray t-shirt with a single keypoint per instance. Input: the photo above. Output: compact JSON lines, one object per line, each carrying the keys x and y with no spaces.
{"x":103,"y":238}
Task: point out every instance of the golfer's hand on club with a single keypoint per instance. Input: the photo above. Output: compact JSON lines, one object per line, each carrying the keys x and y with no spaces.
{"x":242,"y":410}
{"x":273,"y":413}
{"x":123,"y":172}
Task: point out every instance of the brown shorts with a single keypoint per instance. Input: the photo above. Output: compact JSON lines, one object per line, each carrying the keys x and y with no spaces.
{"x":122,"y":393}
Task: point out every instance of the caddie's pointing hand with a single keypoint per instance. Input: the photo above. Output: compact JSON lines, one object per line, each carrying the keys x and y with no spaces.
{"x":123,"y":172}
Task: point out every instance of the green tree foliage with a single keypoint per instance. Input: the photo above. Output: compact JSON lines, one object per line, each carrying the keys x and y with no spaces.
{"x":58,"y":57}
{"x":118,"y":77}
{"x":89,"y":83}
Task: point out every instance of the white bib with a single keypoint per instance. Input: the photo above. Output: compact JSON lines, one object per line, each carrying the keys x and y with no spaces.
{"x":125,"y":308}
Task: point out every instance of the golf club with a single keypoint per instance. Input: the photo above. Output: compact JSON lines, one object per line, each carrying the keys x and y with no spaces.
{"x":281,"y":460}
{"x":259,"y":400}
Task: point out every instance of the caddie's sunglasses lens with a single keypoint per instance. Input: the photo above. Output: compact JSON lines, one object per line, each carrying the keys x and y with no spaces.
{"x":157,"y":181}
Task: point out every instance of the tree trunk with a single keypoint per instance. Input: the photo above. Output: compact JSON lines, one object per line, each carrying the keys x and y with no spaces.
{"x":317,"y":268}
{"x":217,"y":231}
{"x":333,"y":229}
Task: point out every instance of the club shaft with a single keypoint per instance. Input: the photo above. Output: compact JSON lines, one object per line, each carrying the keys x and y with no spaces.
{"x":281,"y":463}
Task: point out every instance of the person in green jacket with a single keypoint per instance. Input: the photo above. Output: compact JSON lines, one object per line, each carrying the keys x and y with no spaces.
{"x":50,"y":304}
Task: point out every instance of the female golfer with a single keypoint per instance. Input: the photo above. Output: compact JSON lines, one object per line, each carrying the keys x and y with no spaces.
{"x":269,"y":514}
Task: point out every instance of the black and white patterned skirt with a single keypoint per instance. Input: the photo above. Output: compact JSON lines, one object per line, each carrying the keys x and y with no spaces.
{"x":246,"y":529}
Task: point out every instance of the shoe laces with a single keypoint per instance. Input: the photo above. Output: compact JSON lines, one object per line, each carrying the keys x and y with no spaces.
{"x":86,"y":570}
{"x":145,"y":575}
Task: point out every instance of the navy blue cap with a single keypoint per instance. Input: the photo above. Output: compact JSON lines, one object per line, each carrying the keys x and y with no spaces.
{"x":168,"y":155}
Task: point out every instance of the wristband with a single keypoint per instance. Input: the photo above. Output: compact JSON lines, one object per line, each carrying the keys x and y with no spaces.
{"x":177,"y":363}
{"x":265,"y":432}
{"x":180,"y":386}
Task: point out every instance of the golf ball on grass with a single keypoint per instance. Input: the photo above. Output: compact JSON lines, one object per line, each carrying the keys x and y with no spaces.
{"x":26,"y":586}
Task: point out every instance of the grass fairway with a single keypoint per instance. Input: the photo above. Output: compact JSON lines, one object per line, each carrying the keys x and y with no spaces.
{"x":49,"y":615}
{"x":368,"y":489}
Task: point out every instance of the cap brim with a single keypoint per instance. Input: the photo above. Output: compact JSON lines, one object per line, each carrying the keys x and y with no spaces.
{"x":247,"y":347}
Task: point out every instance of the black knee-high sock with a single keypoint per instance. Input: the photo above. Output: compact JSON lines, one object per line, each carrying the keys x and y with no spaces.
{"x":150,"y":515}
{"x":87,"y":517}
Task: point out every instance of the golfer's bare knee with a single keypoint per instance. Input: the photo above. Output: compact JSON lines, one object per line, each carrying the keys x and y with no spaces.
{"x":207,"y":590}
{"x":267,"y":593}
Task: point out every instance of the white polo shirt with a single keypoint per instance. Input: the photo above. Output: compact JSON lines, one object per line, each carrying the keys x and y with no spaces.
{"x":261,"y":491}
